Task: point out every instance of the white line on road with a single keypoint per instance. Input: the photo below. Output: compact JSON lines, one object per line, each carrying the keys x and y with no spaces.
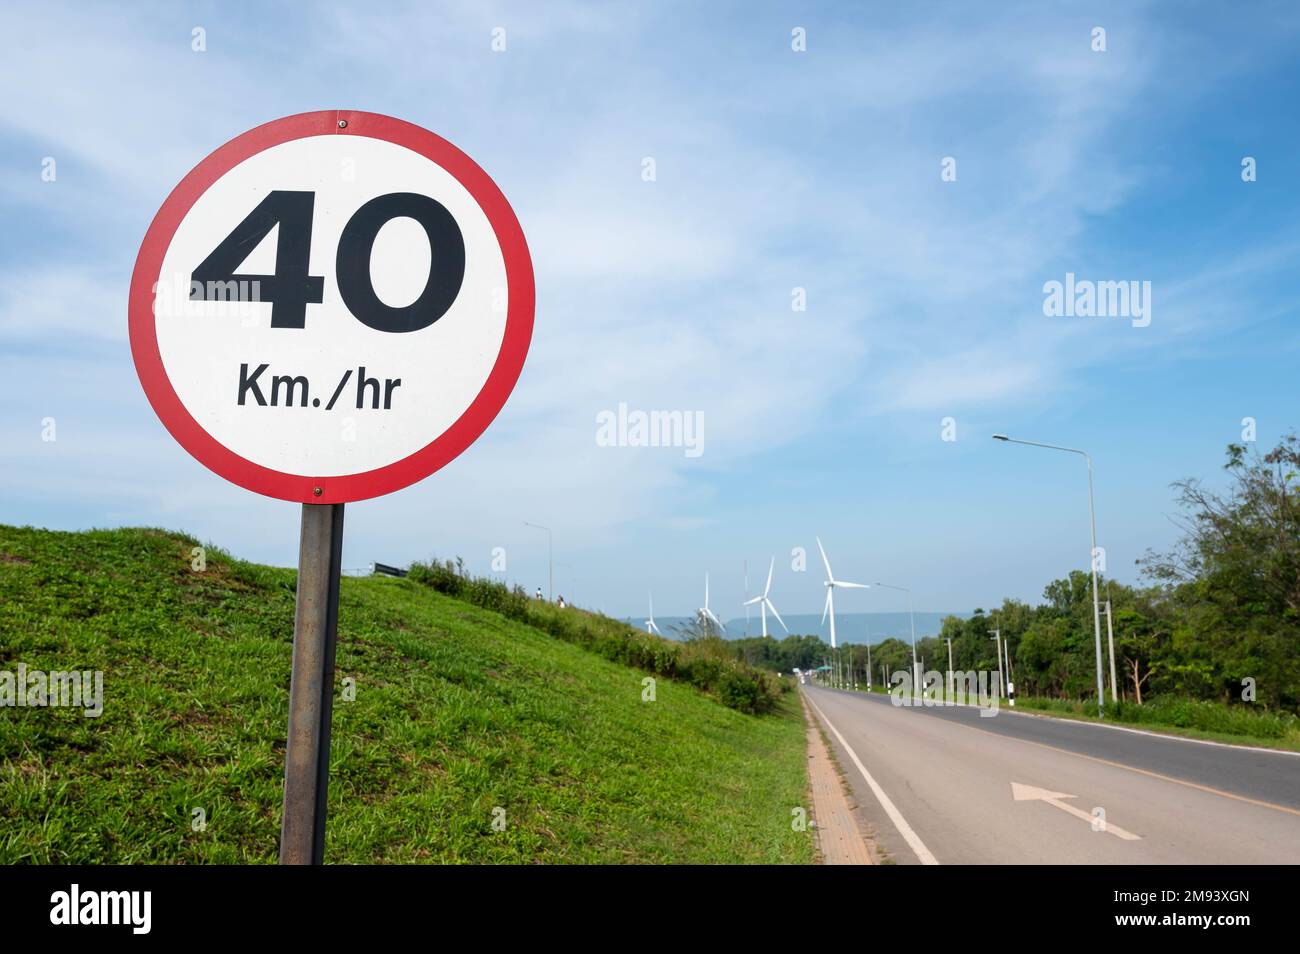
{"x":1029,"y":793}
{"x":1133,"y":768}
{"x":1158,"y":735}
{"x":913,"y":840}
{"x":1169,"y":736}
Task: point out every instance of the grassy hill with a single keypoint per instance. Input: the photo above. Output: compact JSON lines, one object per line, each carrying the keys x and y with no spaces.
{"x":459,"y":711}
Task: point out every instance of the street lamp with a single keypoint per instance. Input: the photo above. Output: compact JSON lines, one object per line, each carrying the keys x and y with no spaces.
{"x":997,"y":638}
{"x":1092,"y":519}
{"x":1006,"y":658}
{"x":550,"y":565}
{"x":1110,"y":642}
{"x":916,"y":675}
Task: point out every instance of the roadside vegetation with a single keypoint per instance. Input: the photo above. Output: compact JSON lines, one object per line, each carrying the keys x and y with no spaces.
{"x":466,"y":735}
{"x":701,"y":660}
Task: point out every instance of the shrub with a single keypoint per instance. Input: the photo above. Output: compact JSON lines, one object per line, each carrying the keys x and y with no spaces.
{"x":706,"y":663}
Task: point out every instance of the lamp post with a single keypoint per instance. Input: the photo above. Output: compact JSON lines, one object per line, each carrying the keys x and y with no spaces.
{"x":1092,"y":519}
{"x":1110,"y":642}
{"x":1006,"y":656}
{"x":550,"y":564}
{"x":916,"y":675}
{"x":997,"y":638}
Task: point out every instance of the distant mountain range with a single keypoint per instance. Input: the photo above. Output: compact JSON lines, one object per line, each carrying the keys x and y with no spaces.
{"x":859,"y":628}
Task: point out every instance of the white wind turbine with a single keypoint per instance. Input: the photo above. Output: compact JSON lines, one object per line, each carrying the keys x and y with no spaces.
{"x":707,"y":615}
{"x":650,"y":626}
{"x":831,"y":583}
{"x":766,"y":604}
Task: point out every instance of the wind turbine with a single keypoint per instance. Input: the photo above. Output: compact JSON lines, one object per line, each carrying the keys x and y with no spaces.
{"x":706,"y":614}
{"x":650,"y":626}
{"x":746,"y":566}
{"x":831,"y":583}
{"x":766,"y":604}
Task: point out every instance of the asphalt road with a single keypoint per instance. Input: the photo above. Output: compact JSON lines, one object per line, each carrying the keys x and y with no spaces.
{"x":945,"y":785}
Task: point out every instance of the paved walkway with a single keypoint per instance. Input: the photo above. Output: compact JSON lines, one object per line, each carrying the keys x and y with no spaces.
{"x":839,"y":841}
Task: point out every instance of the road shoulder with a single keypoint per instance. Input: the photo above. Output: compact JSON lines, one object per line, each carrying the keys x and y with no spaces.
{"x":839,"y":837}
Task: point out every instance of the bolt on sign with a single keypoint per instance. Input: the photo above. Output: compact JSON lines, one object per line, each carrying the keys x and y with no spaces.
{"x":328,"y":308}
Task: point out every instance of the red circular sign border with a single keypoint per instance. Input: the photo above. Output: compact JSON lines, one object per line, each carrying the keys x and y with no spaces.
{"x":521,"y":296}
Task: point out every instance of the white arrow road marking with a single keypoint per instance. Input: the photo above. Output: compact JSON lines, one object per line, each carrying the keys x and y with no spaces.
{"x":923,"y":854}
{"x":1028,"y":793}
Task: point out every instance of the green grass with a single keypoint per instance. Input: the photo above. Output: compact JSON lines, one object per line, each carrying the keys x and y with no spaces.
{"x":707,"y":663}
{"x":1195,"y":719}
{"x":458,"y":711}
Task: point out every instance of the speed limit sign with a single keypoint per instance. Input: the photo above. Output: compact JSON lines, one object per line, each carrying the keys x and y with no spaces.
{"x":328,"y":308}
{"x":331,"y":306}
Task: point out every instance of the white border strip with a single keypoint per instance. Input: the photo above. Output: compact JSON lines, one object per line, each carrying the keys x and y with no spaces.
{"x":1156,"y":734}
{"x":1034,"y":714}
{"x":913,"y":840}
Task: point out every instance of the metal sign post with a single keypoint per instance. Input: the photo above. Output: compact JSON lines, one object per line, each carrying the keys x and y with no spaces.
{"x":311,"y":690}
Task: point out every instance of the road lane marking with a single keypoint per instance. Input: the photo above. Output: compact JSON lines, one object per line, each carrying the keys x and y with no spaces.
{"x":1155,"y":735}
{"x":1120,"y":765}
{"x":1029,"y":793}
{"x":1031,"y":714}
{"x":1130,"y":768}
{"x":913,"y":840}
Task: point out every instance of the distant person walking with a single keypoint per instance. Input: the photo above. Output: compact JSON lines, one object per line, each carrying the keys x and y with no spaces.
{"x":539,"y":594}
{"x":561,"y":601}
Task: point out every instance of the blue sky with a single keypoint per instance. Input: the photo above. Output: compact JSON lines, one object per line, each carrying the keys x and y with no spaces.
{"x":775,"y":170}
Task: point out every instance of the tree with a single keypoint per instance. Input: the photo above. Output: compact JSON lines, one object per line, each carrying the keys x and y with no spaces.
{"x":1235,"y":575}
{"x":1142,"y":644}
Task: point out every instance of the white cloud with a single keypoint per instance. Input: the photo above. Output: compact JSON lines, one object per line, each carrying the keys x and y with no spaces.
{"x":63,"y":306}
{"x":773,"y":171}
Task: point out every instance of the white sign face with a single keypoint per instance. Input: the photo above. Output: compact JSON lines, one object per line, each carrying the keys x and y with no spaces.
{"x":338,"y":304}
